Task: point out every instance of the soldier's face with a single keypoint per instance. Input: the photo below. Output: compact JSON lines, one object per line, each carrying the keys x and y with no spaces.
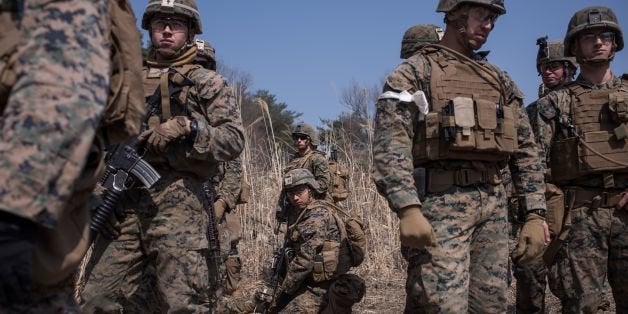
{"x":301,"y":142}
{"x":479,"y":25}
{"x":552,"y":73}
{"x":169,"y":32}
{"x":596,"y":43}
{"x":300,"y":197}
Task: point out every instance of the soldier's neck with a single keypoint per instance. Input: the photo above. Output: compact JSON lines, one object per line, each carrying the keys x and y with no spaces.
{"x":304,"y":152}
{"x":596,"y":73}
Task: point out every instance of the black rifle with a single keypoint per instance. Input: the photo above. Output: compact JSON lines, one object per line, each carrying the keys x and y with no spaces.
{"x":215,"y":258}
{"x":268,"y":295}
{"x":124,"y":165}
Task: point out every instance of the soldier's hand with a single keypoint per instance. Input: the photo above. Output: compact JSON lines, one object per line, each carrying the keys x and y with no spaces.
{"x":16,"y":260}
{"x":414,"y":230}
{"x":219,"y":209}
{"x":158,"y":138}
{"x":533,"y":237}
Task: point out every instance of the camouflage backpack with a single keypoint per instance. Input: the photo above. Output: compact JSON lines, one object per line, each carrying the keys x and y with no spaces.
{"x":125,"y":103}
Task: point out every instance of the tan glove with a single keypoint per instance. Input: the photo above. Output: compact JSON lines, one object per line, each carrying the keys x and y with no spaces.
{"x":219,"y":209}
{"x":414,"y":230}
{"x":532,"y":239}
{"x":158,"y":138}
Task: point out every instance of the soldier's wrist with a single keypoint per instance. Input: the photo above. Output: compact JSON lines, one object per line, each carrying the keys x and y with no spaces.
{"x":539,"y":211}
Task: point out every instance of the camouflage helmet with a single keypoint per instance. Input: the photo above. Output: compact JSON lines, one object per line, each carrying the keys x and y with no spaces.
{"x":448,"y":5}
{"x":185,"y":8}
{"x":588,"y":18}
{"x":300,"y":176}
{"x":417,"y":36}
{"x":306,"y":129}
{"x":205,"y":54}
{"x":550,"y":52}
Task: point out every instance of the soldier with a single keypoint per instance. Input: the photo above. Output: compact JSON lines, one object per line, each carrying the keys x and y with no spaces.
{"x":555,"y":70}
{"x":320,"y":257}
{"x":55,"y":117}
{"x":582,"y":130}
{"x":307,"y":157}
{"x":454,"y":121}
{"x":194,"y":126}
{"x":228,"y":185}
{"x":418,"y":36}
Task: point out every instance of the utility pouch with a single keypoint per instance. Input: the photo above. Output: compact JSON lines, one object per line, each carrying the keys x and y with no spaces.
{"x":555,"y":208}
{"x":318,"y":270}
{"x":564,"y":159}
{"x":487,"y":122}
{"x":464,"y":117}
{"x":507,"y":139}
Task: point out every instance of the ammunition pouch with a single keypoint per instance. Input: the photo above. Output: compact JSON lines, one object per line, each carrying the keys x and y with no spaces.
{"x":326,"y":264}
{"x":440,"y":180}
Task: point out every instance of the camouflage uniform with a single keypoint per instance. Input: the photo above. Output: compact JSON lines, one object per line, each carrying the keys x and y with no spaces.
{"x":418,"y":36}
{"x":51,"y":139}
{"x":312,"y":238}
{"x":465,"y":201}
{"x":595,"y":236}
{"x":164,"y":232}
{"x":532,"y":278}
{"x":228,"y":190}
{"x":314,"y":161}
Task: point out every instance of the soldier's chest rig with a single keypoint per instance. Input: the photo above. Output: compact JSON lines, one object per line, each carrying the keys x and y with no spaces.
{"x":167,"y":91}
{"x":593,"y":134}
{"x":468,"y":118}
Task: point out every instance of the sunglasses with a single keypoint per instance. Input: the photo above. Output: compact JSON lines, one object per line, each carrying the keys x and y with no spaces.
{"x":176,"y":25}
{"x":300,"y":137}
{"x":605,"y":37}
{"x":552,"y":66}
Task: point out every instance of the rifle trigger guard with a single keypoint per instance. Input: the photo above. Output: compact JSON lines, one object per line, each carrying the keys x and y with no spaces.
{"x":119,"y":180}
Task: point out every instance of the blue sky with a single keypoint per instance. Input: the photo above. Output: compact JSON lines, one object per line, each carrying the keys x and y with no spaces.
{"x":306,"y":52}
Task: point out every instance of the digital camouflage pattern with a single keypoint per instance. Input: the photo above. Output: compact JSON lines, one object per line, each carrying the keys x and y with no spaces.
{"x":43,"y":151}
{"x":176,"y":205}
{"x":163,"y":235}
{"x":306,"y":238}
{"x":438,"y":280}
{"x":458,"y":213}
{"x":316,"y":163}
{"x":228,"y":190}
{"x":48,"y":124}
{"x":417,"y":36}
{"x":596,"y":243}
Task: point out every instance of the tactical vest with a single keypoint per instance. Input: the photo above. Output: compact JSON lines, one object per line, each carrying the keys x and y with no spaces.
{"x":468,"y":118}
{"x":168,"y":91}
{"x":335,"y":257}
{"x":596,"y":115}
